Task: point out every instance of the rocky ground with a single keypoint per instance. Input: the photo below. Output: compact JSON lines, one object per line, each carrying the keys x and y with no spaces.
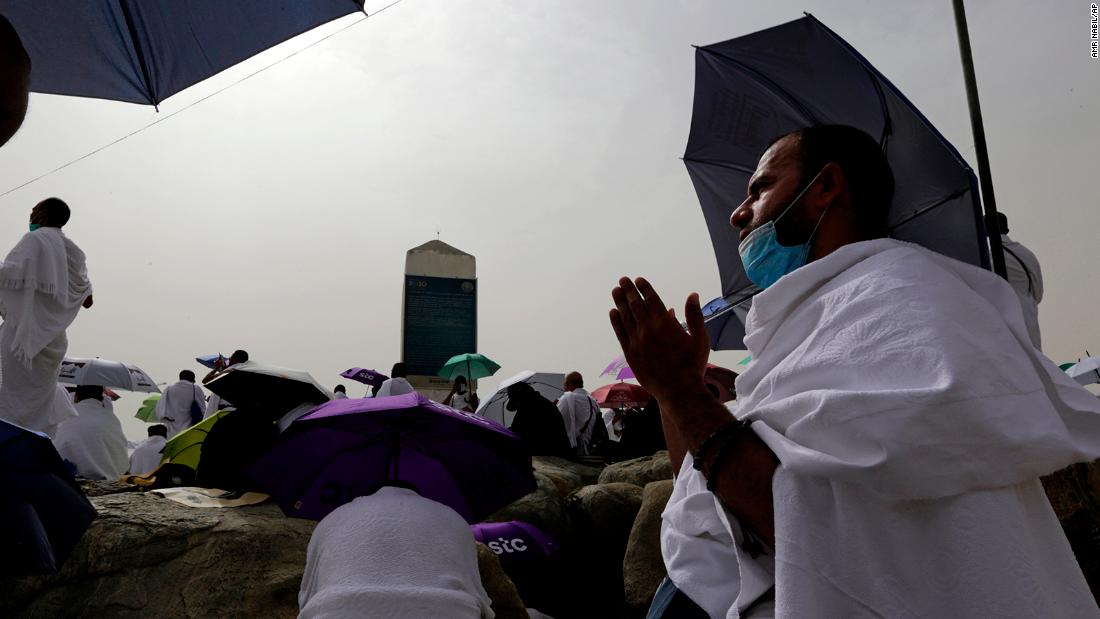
{"x":148,"y":556}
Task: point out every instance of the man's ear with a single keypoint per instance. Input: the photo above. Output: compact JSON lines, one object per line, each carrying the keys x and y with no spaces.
{"x":830,"y":185}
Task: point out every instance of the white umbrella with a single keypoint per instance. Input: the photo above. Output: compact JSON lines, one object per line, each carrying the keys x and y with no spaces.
{"x":1086,"y":371}
{"x":114,"y":374}
{"x":551,"y":385}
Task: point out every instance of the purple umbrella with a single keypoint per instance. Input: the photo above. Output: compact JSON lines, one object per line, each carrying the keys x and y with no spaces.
{"x":515,"y":541}
{"x":348,"y":448}
{"x":365,"y":376}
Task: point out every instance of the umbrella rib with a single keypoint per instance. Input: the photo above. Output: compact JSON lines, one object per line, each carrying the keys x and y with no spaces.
{"x":923,"y":211}
{"x":767,"y":83}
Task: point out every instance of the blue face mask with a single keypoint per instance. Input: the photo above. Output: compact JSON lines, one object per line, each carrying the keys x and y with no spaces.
{"x":765,"y":260}
{"x":35,"y":227}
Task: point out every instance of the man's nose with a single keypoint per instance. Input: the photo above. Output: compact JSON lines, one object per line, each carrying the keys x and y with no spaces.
{"x":741,"y":216}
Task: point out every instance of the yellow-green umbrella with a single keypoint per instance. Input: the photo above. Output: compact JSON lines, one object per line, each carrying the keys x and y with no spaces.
{"x":186,"y":447}
{"x":148,"y":410}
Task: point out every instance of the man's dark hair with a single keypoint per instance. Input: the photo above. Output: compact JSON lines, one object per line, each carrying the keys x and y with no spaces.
{"x":399,"y":370}
{"x":239,"y":356}
{"x":57,"y":212}
{"x":575,"y":379}
{"x":1002,"y":223}
{"x":865,"y":167}
{"x":158,"y":430}
{"x":88,"y":392}
{"x":187,"y":375}
{"x":341,"y":389}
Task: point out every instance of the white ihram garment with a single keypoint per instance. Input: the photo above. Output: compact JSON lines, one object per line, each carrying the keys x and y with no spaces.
{"x":93,"y":441}
{"x":912,"y":417}
{"x":394,"y":386}
{"x":147,"y":456}
{"x":43,"y":282}
{"x":1022,"y":268}
{"x":176,"y":403}
{"x":393,"y":555}
{"x":576,"y":408}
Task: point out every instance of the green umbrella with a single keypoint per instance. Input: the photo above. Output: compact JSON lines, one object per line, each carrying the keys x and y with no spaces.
{"x":471,"y":365}
{"x":1066,"y":366}
{"x":185,"y":447}
{"x":148,"y":410}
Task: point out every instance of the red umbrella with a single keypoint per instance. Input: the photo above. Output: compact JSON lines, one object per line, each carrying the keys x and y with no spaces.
{"x":621,"y":395}
{"x":722,"y":379}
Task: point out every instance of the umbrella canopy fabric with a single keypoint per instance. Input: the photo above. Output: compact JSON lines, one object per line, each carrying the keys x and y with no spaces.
{"x":365,"y":376}
{"x":116,"y":374}
{"x":616,"y":365}
{"x":471,"y":365}
{"x":348,"y":448}
{"x":754,"y":88}
{"x":271,"y":390}
{"x":43,"y":513}
{"x":147,"y":412}
{"x":1086,"y":371}
{"x":621,"y":395}
{"x":186,"y":447}
{"x":515,"y":541}
{"x":145,"y":52}
{"x":549,"y":384}
{"x":210,"y":361}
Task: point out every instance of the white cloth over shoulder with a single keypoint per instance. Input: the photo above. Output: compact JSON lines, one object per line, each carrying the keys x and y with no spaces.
{"x":93,"y":441}
{"x":395,"y":386}
{"x":393,"y":555}
{"x":147,"y":456}
{"x":176,"y":404}
{"x":43,"y":282}
{"x":577,"y":407}
{"x":912,"y":416}
{"x":339,"y":395}
{"x":1022,"y":268}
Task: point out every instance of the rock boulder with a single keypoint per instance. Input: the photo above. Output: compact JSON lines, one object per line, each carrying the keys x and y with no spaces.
{"x":643,"y":567}
{"x":639,"y":471}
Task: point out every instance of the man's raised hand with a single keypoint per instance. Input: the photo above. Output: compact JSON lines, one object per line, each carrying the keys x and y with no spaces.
{"x":664,"y":357}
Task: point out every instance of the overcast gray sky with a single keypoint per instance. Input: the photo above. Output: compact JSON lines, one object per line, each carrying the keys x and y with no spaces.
{"x":542,"y":137}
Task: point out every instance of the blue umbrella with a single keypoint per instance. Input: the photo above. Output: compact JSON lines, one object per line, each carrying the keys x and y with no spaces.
{"x":754,"y":88}
{"x":43,"y":514}
{"x":210,"y":361}
{"x":145,"y":52}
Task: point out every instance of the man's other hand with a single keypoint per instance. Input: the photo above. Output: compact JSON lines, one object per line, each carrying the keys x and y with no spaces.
{"x":87,"y":302}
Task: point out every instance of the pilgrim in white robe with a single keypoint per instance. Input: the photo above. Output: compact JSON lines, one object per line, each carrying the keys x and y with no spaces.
{"x":395,"y":386}
{"x":43,"y":282}
{"x":147,"y":455}
{"x":580,"y":413}
{"x":93,"y":441}
{"x":177,"y":403}
{"x":912,"y":417}
{"x":392,"y":555}
{"x":1026,"y":278}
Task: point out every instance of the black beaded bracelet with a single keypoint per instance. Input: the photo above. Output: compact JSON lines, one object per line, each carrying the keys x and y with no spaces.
{"x":711,"y":473}
{"x":716,"y":437}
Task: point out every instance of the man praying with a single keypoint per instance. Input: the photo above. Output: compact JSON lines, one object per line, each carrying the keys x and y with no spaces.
{"x":43,"y":284}
{"x":93,"y":440}
{"x":884,"y":453}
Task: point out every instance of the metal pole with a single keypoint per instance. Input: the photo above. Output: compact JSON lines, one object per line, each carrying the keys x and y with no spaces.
{"x":990,"y":203}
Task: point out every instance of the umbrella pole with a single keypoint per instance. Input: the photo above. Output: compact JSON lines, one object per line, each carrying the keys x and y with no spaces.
{"x":989,"y":202}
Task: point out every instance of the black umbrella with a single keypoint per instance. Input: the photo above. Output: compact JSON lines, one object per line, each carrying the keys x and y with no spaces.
{"x":43,"y":513}
{"x":271,"y":390}
{"x":754,"y":88}
{"x":146,"y":51}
